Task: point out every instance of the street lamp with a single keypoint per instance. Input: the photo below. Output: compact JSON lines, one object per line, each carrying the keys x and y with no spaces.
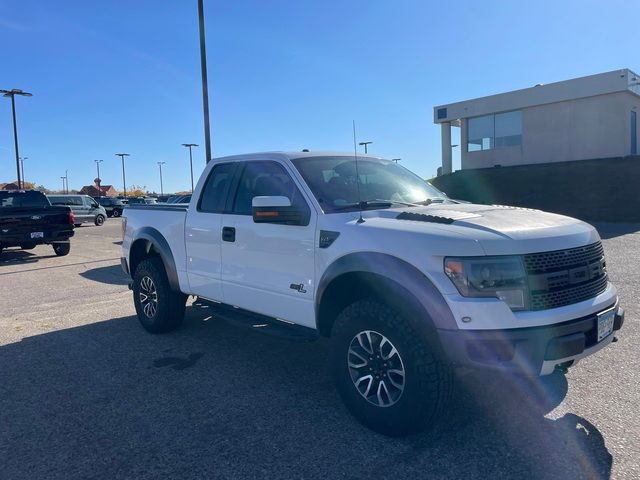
{"x":12,"y":93}
{"x":124,"y":180}
{"x":64,"y":190}
{"x":22,"y":159}
{"x":396,"y":160}
{"x":66,"y":179}
{"x":205,"y":87}
{"x":161,"y":187}
{"x":99,"y":182}
{"x":189,"y":146}
{"x":365,"y":146}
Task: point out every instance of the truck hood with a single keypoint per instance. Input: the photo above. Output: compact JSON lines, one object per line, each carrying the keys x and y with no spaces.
{"x":501,"y":230}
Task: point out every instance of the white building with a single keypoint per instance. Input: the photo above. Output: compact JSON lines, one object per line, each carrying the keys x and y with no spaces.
{"x":579,"y":119}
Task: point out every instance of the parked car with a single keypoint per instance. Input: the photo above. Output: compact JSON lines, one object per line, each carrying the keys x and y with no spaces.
{"x":179,"y":199}
{"x":113,"y":206}
{"x":407,"y":284}
{"x":28,"y":219}
{"x":85,"y":208}
{"x":142,"y":201}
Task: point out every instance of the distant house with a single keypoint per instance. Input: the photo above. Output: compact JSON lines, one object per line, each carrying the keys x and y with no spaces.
{"x":103,"y":191}
{"x":9,"y":186}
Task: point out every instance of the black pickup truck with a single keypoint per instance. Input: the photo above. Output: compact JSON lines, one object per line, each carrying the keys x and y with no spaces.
{"x":27,"y":219}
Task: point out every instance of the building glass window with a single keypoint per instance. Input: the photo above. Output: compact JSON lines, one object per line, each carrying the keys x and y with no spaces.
{"x":508,"y":129}
{"x":480,"y":133}
{"x":494,"y":131}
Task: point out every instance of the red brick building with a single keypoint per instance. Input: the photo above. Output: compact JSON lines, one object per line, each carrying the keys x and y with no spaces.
{"x":105,"y":191}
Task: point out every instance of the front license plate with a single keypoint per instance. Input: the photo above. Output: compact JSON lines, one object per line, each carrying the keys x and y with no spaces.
{"x":605,"y":323}
{"x":37,"y":234}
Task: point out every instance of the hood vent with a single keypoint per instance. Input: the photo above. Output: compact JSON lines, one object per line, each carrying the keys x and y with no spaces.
{"x":421,"y":217}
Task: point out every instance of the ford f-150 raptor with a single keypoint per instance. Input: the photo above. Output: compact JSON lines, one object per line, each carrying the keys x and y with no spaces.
{"x":407,"y":284}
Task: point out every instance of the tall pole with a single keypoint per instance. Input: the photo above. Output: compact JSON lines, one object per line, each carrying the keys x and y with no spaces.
{"x":15,"y":138}
{"x":98,"y":162}
{"x":161,"y":187}
{"x":66,"y":178}
{"x":12,"y":93}
{"x":205,"y":88}
{"x":64,"y":190}
{"x":189,"y":145}
{"x":22,"y":159}
{"x":124,"y":179}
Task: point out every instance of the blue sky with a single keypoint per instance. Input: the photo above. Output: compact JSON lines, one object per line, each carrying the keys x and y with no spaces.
{"x":113,"y":76}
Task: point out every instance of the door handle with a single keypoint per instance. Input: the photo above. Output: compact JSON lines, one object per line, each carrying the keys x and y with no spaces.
{"x":228,"y":234}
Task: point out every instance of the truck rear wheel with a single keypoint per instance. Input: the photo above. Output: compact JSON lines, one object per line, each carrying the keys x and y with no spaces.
{"x":62,"y":248}
{"x":160,"y":309}
{"x":390,"y":377}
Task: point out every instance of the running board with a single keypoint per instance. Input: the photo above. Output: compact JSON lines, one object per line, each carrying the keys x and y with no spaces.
{"x":257,"y":322}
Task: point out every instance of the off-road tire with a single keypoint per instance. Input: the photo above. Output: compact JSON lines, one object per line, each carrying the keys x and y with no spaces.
{"x":116,"y":213}
{"x":428,"y":377}
{"x":61,"y":248}
{"x":169,"y":304}
{"x":99,"y":221}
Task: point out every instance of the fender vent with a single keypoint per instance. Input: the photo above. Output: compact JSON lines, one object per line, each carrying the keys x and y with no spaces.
{"x":421,"y":217}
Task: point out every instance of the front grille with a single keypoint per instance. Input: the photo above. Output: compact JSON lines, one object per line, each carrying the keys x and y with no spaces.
{"x":562,"y":259}
{"x":563,"y":277}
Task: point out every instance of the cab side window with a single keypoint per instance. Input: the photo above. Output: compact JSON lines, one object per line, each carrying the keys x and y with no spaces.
{"x":214,"y":193}
{"x":266,"y":178}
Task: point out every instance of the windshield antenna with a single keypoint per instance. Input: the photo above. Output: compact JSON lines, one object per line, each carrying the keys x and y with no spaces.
{"x":355,"y":154}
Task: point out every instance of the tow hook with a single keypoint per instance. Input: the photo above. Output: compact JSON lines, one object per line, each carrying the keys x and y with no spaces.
{"x":563,"y":368}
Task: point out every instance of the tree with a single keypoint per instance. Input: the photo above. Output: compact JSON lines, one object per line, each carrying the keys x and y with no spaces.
{"x":134,"y":191}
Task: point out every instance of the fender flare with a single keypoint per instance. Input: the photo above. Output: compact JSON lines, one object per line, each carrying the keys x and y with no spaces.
{"x":156,"y":240}
{"x":425,"y":294}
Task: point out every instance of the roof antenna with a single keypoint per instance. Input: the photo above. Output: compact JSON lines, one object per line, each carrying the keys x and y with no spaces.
{"x":355,"y":154}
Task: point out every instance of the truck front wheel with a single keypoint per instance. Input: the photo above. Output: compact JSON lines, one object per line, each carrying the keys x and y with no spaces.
{"x":390,"y":377}
{"x":160,"y":309}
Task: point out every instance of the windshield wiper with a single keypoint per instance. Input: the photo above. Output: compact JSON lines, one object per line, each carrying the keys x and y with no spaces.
{"x":429,"y":201}
{"x":363,"y":205}
{"x":373,"y":204}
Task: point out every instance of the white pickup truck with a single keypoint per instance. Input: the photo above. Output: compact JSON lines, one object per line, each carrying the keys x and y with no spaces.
{"x":407,"y":284}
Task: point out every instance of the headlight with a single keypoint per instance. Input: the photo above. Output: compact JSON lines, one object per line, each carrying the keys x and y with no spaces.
{"x":499,"y":277}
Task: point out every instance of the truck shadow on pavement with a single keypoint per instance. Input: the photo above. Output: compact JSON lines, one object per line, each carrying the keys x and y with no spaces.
{"x":111,"y":274}
{"x":108,"y":400}
{"x":13,"y":256}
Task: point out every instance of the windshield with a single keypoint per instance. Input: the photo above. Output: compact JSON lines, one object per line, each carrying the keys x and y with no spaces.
{"x":333,"y":182}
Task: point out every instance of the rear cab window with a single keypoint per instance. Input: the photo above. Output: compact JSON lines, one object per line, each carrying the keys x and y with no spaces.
{"x":23,"y":200}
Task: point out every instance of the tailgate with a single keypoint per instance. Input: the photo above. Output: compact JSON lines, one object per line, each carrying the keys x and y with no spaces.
{"x":20,"y":223}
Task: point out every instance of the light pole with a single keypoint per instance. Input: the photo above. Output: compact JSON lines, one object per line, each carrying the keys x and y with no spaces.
{"x":124,"y":179}
{"x":64,"y":190}
{"x":98,"y":162}
{"x":365,"y":146}
{"x":12,"y":93}
{"x":189,"y":146}
{"x":396,"y":160}
{"x":205,"y":87}
{"x":161,"y":187}
{"x":22,"y":159}
{"x":66,"y":179}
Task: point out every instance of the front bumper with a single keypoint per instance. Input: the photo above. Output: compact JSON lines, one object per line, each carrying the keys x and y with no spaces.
{"x":531,"y":350}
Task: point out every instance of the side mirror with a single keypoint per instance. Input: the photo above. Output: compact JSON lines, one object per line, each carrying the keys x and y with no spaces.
{"x":276,"y":209}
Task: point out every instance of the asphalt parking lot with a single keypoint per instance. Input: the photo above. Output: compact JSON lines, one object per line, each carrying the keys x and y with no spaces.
{"x":86,"y":393}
